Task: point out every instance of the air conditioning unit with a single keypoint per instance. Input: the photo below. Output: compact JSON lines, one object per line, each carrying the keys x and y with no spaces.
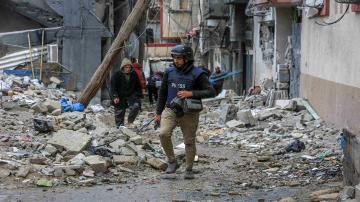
{"x":53,"y":53}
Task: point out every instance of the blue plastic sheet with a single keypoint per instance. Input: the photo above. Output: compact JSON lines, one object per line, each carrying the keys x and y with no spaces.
{"x":66,"y":106}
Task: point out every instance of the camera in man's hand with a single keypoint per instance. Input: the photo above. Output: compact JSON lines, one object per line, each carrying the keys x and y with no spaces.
{"x":176,"y":105}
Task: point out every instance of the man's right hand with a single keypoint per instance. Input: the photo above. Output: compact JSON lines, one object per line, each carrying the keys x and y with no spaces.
{"x":157,"y":118}
{"x":116,"y":101}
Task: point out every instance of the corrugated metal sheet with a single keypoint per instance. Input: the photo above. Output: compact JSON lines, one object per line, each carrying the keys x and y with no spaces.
{"x":10,"y":61}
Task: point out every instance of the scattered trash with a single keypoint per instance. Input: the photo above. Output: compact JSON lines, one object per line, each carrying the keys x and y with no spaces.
{"x":324,"y":154}
{"x":66,"y":106}
{"x":296,"y":146}
{"x":43,"y":125}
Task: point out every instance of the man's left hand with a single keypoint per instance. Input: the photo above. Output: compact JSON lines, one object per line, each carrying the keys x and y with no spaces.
{"x":184,"y":94}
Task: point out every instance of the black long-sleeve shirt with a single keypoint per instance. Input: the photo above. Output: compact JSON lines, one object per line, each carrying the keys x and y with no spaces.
{"x":202,"y":89}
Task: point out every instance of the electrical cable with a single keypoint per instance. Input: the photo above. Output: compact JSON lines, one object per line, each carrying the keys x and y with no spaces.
{"x":335,"y":21}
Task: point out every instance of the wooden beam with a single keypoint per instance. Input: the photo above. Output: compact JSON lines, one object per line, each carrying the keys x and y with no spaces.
{"x":103,"y":70}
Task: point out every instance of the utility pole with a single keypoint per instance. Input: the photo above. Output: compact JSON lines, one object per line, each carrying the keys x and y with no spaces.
{"x":103,"y":70}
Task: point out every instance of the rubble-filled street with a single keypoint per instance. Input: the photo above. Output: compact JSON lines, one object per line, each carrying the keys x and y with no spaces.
{"x":246,"y":151}
{"x":179,"y":100}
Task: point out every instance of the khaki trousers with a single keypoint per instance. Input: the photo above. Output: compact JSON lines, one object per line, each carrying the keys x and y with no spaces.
{"x":188,"y":124}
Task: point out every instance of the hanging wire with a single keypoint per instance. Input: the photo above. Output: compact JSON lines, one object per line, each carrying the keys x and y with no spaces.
{"x":323,"y":23}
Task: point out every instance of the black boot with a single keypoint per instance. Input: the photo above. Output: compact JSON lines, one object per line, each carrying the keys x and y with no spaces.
{"x":172,"y":167}
{"x":189,"y":175}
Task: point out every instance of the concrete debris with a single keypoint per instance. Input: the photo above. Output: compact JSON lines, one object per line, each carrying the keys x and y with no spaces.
{"x":285,"y":104}
{"x":85,"y":148}
{"x":97,"y":163}
{"x":127,"y":160}
{"x":246,"y":117}
{"x":79,"y":141}
{"x":157,"y":163}
{"x":235,"y":123}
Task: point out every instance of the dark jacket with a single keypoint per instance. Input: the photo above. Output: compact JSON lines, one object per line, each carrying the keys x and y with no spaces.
{"x":201,"y":89}
{"x":123,"y":89}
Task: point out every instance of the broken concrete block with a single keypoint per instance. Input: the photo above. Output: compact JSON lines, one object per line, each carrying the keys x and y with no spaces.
{"x":235,"y":123}
{"x":4,"y":173}
{"x":56,"y":112}
{"x":69,"y":172}
{"x":58,"y":172}
{"x":52,"y":105}
{"x":117,"y":144}
{"x":39,"y":108}
{"x":227,"y":113}
{"x":23,"y":171}
{"x":246,"y":117}
{"x":288,"y":199}
{"x":127,"y":151}
{"x":128,"y":132}
{"x":326,"y":197}
{"x":38,"y":160}
{"x":285,"y":104}
{"x":122,"y":159}
{"x":51,"y":150}
{"x":267,"y":113}
{"x":97,"y":163}
{"x":137,"y":139}
{"x":157,"y":163}
{"x":79,"y":160}
{"x":79,"y":141}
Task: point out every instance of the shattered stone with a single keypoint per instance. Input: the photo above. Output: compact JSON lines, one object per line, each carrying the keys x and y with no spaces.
{"x":128,"y":132}
{"x":23,"y":171}
{"x":127,"y":152}
{"x":79,"y":159}
{"x":69,"y":172}
{"x":137,"y":139}
{"x":246,"y":117}
{"x":285,"y":104}
{"x":39,"y":108}
{"x":79,"y":141}
{"x":88,"y":173}
{"x":117,"y":144}
{"x":51,"y":150}
{"x":122,"y":159}
{"x":82,"y":130}
{"x":227,"y":113}
{"x":56,"y":112}
{"x":52,"y":105}
{"x":58,"y":172}
{"x":157,"y":163}
{"x":97,"y":163}
{"x":235,"y":123}
{"x":38,"y":160}
{"x":4,"y":173}
{"x":288,"y":199}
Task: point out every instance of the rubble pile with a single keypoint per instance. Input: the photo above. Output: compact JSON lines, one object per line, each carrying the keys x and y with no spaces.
{"x":284,"y":143}
{"x":41,"y":145}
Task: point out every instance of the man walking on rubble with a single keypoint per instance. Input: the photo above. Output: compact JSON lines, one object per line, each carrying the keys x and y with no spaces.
{"x":126,"y":93}
{"x":218,"y":85}
{"x":182,"y":82}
